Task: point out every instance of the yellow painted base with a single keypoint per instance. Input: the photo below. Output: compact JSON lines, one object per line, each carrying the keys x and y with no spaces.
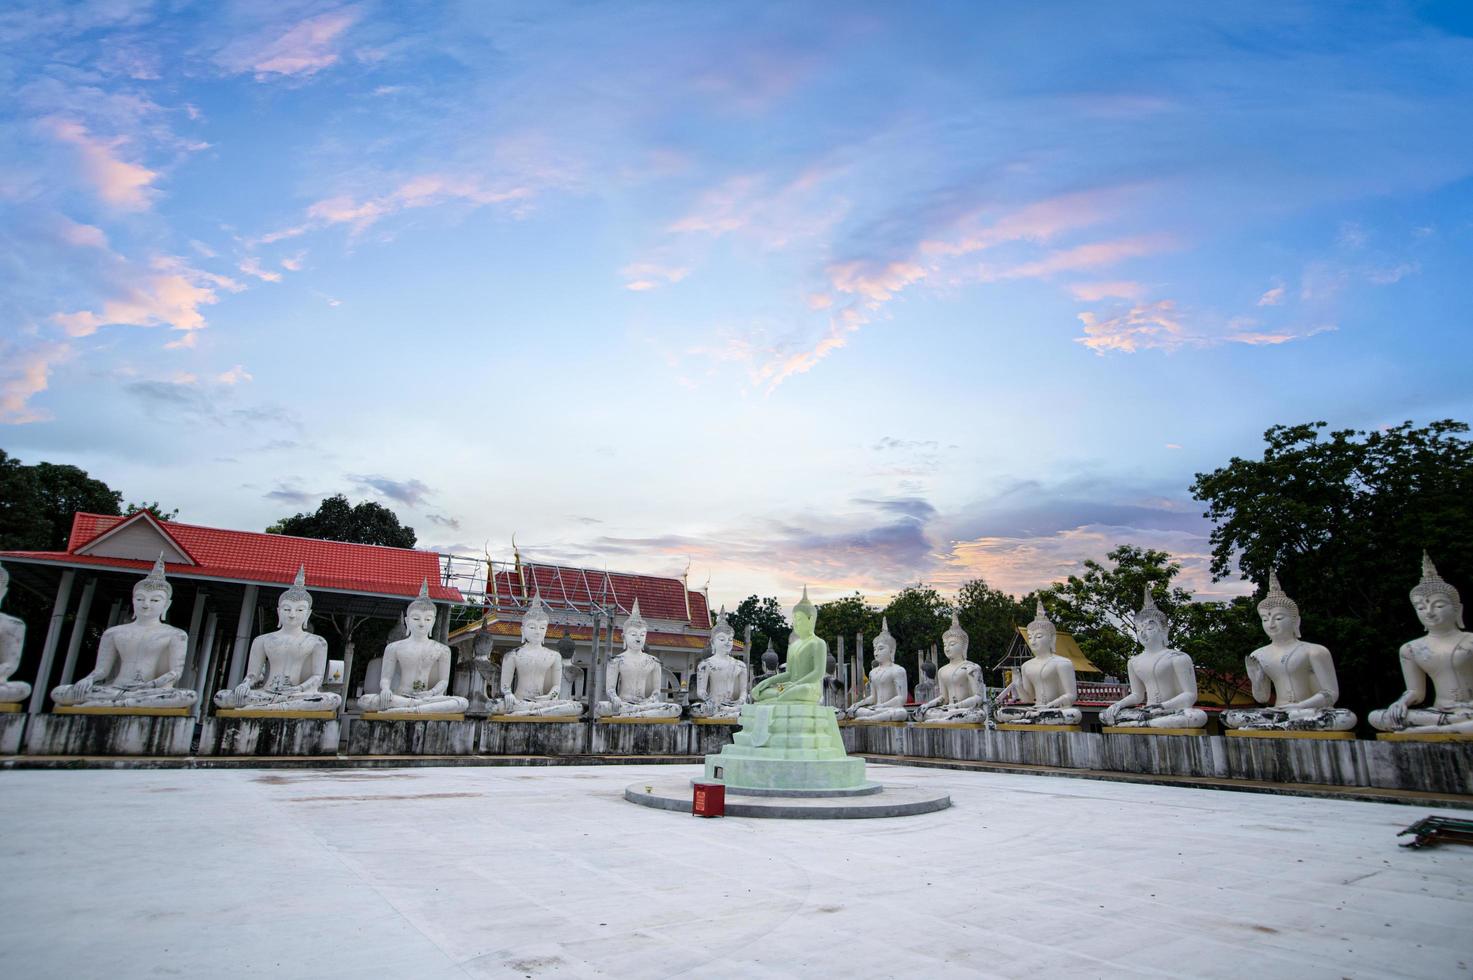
{"x":441,"y":716}
{"x":258,"y":713}
{"x":639,"y":721}
{"x":84,"y":709}
{"x":9,"y":707}
{"x":1006,"y":727}
{"x":729,"y":723}
{"x":1274,"y":733}
{"x":858,"y":723}
{"x":1116,"y":730}
{"x":1425,"y":737}
{"x":974,"y":725}
{"x":534,"y":720}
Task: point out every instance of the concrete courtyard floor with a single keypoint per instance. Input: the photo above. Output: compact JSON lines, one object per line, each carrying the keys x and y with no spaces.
{"x":548,"y":872}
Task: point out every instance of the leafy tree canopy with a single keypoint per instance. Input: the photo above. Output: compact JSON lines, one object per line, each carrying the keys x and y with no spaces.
{"x":337,"y":520}
{"x":153,"y":507}
{"x":918,"y":615}
{"x":768,"y":621}
{"x":37,"y":503}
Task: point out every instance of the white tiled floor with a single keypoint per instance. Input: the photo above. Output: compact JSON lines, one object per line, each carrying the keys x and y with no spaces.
{"x":539,"y":872}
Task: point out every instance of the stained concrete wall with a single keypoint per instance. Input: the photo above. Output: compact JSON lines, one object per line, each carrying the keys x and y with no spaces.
{"x":269,"y":736}
{"x":413,"y":737}
{"x":1438,"y":767}
{"x":12,"y":727}
{"x":108,"y":735}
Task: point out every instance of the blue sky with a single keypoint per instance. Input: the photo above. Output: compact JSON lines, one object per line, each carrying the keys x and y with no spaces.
{"x":855,"y":295}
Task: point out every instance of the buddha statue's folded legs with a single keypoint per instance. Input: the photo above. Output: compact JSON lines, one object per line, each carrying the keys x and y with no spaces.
{"x":633,"y":709}
{"x":13,"y":691}
{"x":123,"y":696}
{"x":1155,"y":717}
{"x":1455,"y":719}
{"x":408,"y":705}
{"x":1289,"y":719}
{"x":285,"y":700}
{"x":962,"y":714}
{"x":881,"y":714}
{"x":1031,"y":715}
{"x":716,"y":710}
{"x":550,"y":707}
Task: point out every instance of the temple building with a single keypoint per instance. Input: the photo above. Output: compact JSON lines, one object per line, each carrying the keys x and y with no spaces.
{"x":679,"y":618}
{"x":225,"y":584}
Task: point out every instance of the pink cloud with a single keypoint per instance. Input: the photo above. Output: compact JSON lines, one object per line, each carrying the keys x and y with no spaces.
{"x":24,"y":373}
{"x":301,"y":51}
{"x":1091,"y":292}
{"x":169,"y":293}
{"x":1273,"y":297}
{"x":1258,"y":338}
{"x":1089,"y":256}
{"x":1041,"y":221}
{"x":120,"y":183}
{"x":420,"y":191}
{"x":82,"y":236}
{"x":1149,"y":325}
{"x":876,"y":284}
{"x":234,"y":376}
{"x":251,"y":266}
{"x":651,"y":275}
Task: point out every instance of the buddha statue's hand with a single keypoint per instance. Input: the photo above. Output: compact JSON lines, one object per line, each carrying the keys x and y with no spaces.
{"x":243,"y":689}
{"x":1107,"y":717}
{"x":1397,"y":713}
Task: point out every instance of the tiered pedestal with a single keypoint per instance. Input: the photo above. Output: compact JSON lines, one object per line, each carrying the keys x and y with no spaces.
{"x":794,"y":747}
{"x":12,"y":726}
{"x":438,"y":734}
{"x":247,"y":731}
{"x":88,"y":730}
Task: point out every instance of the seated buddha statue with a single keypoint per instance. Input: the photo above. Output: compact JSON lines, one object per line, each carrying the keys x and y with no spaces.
{"x":961,"y":699}
{"x":1444,"y":656}
{"x":1163,"y":682}
{"x":887,"y":694}
{"x":1046,"y":679}
{"x":770,"y":663}
{"x":635,"y":678}
{"x":926,"y":685}
{"x":1299,"y":676}
{"x":532,"y":674}
{"x":12,"y":642}
{"x":721,"y":679}
{"x":416,"y":670}
{"x":138,"y":662}
{"x":285,"y":669}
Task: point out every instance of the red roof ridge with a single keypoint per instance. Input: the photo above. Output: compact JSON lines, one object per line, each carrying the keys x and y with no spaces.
{"x":230,"y":530}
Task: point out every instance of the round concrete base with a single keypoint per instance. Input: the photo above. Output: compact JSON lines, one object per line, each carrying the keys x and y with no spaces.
{"x":893,"y":801}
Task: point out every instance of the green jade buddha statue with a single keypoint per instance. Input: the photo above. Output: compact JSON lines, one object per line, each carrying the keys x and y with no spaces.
{"x":789,"y":741}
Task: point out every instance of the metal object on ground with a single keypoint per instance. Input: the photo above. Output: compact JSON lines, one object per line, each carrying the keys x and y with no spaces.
{"x":1439,"y":830}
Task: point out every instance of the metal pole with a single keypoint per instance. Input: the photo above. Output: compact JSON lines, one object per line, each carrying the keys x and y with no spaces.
{"x":53,"y":636}
{"x":243,"y":624}
{"x":196,"y":616}
{"x":839,"y":673}
{"x":79,"y":629}
{"x":115,"y":614}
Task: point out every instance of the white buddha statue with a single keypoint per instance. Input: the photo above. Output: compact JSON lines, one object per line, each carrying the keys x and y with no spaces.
{"x":721,"y":679}
{"x":926,"y":688}
{"x":961,"y":699}
{"x":1444,"y":655}
{"x":634,"y":678}
{"x":1163,"y":682}
{"x":1046,"y":679}
{"x":285,"y":669}
{"x":532,"y":675}
{"x":416,"y":670}
{"x":887,"y":694}
{"x":12,"y":642}
{"x":1299,"y":676}
{"x":137,"y":662}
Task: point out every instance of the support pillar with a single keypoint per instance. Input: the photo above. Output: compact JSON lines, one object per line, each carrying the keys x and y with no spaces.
{"x":244,"y":622}
{"x":191,"y":646}
{"x":79,"y":630}
{"x":53,"y":636}
{"x":206,"y":660}
{"x":115,"y":613}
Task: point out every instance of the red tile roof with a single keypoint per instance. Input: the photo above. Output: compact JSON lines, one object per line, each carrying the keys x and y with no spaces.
{"x":269,"y":559}
{"x":564,"y":587}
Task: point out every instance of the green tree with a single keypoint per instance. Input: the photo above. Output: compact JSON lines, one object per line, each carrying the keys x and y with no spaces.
{"x":918,"y":616}
{"x":1098,"y":608}
{"x":337,"y":520}
{"x":847,"y":617}
{"x":1344,"y":516}
{"x":769,"y":624}
{"x":37,"y":503}
{"x":153,"y":507}
{"x":991,"y":618}
{"x":1218,"y":636}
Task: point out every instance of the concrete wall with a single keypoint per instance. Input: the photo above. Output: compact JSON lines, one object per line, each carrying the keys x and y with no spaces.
{"x":1437,"y":767}
{"x":108,"y":735}
{"x":12,"y":727}
{"x":268,"y":736}
{"x":413,"y":737}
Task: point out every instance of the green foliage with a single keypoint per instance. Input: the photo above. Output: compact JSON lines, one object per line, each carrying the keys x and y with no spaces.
{"x":991,"y":618}
{"x":37,"y":503}
{"x":768,"y":621}
{"x":847,"y":617}
{"x":337,"y":520}
{"x":1218,"y":636}
{"x":1098,"y":608}
{"x":153,"y":507}
{"x":1344,"y":515}
{"x":918,"y":616}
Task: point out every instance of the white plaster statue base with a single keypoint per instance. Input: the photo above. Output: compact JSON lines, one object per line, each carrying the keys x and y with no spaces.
{"x":1289,"y":719}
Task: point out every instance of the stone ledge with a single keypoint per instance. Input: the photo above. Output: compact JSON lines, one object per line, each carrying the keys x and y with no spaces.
{"x":973,"y":725}
{"x":9,"y":707}
{"x":536,"y":719}
{"x":1116,"y":730}
{"x":1277,"y":733}
{"x":84,"y":709}
{"x":1014,"y":727}
{"x":853,"y":722}
{"x":390,"y":716}
{"x":1425,"y":737}
{"x":634,"y":721}
{"x":728,"y":722}
{"x":327,"y":715}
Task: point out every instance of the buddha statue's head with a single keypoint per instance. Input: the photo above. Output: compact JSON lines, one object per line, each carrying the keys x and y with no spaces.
{"x":769,"y":659}
{"x":1278,"y":613}
{"x":419,"y":618}
{"x":805,"y":616}
{"x":534,"y":621}
{"x":636,"y":630}
{"x":928,"y":670}
{"x":1436,"y":601}
{"x":1043,"y":635}
{"x":884,"y":643}
{"x":955,"y":640}
{"x":1151,"y":625}
{"x":152,"y":594}
{"x":294,"y":607}
{"x":722,"y":635}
